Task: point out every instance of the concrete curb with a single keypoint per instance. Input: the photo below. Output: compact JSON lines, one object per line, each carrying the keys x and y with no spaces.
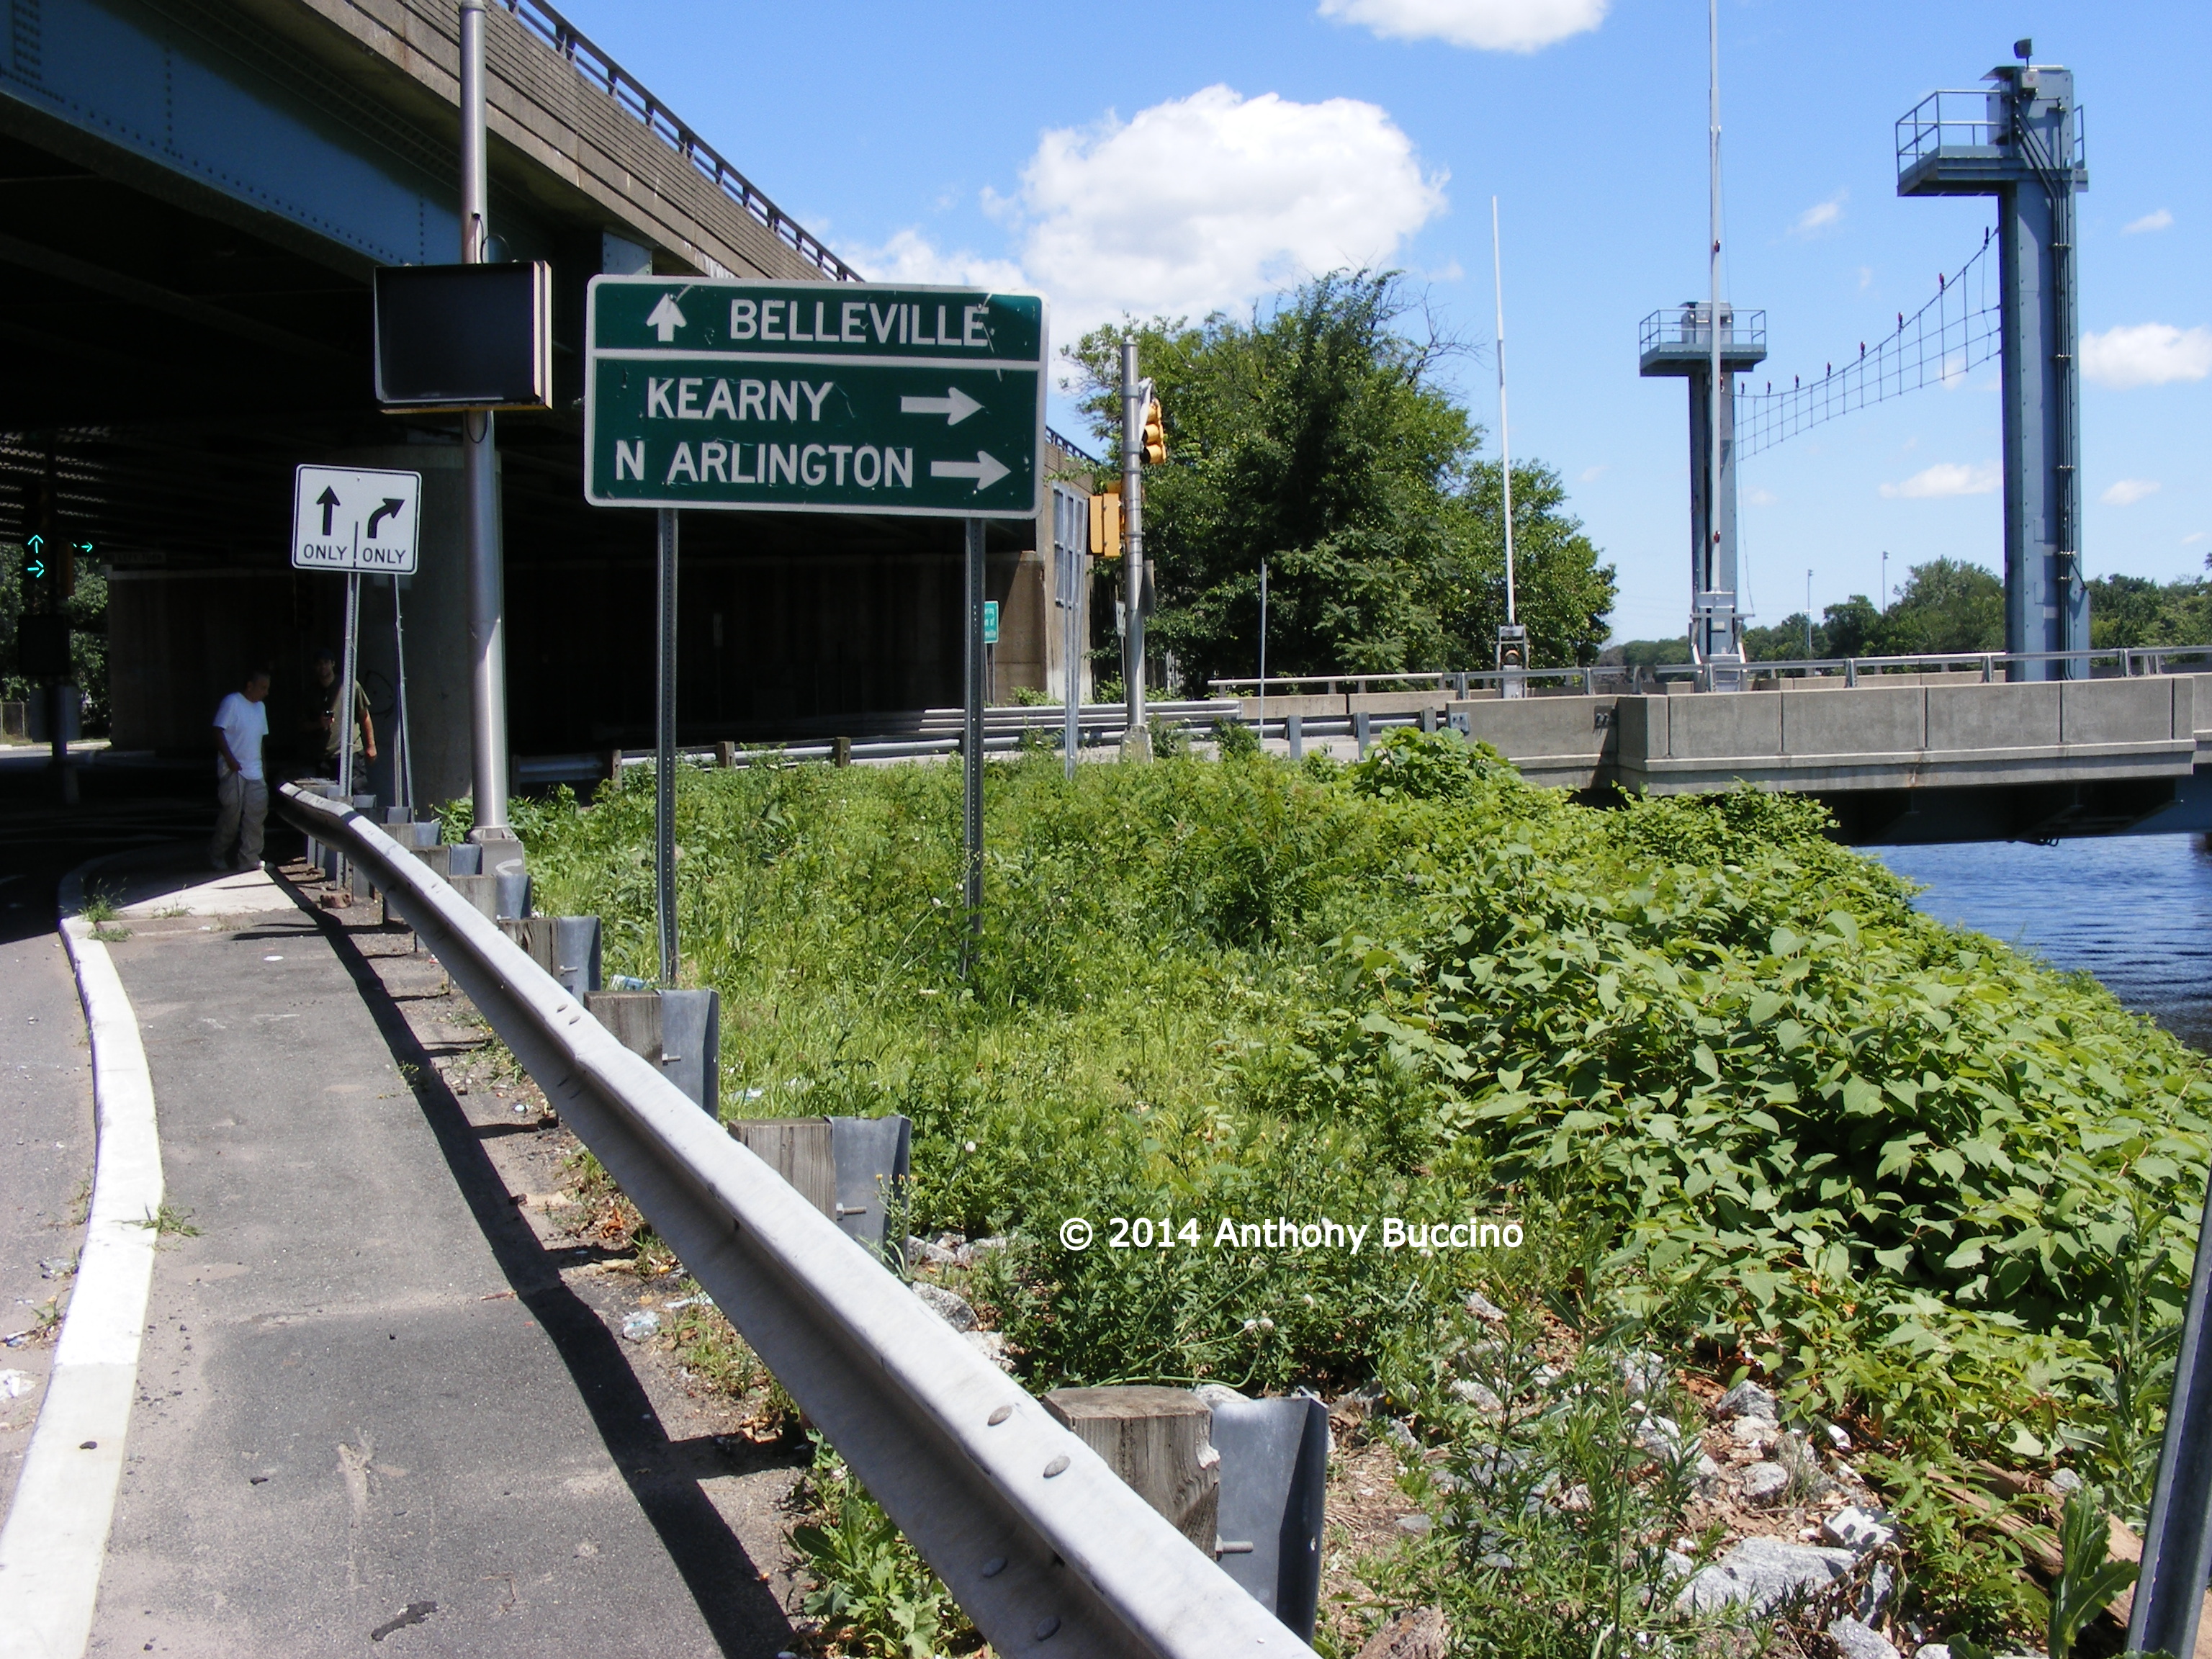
{"x":55,"y":1541}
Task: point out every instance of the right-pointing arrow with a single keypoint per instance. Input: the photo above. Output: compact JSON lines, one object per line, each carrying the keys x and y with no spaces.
{"x":986,"y":470}
{"x":954,"y":405}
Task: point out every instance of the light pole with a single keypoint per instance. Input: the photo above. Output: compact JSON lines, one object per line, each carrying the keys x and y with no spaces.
{"x":480,"y":479}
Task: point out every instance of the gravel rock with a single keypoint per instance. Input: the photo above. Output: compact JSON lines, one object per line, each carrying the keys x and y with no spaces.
{"x":2065,"y":1483}
{"x":1418,"y":1634}
{"x":1856,"y":1529}
{"x":1642,"y":1373}
{"x":1854,"y":1640}
{"x":992,"y":1347}
{"x":1932,"y":1650}
{"x":1662,"y":1436}
{"x":1677,"y":1565}
{"x":933,"y":1251}
{"x":1747,"y":1399}
{"x":1476,"y":1394}
{"x":1484,"y":1309}
{"x":971,"y":1254}
{"x":1415,"y":1526}
{"x":948,"y":1306}
{"x":1761,"y":1432}
{"x":1836,"y":1436}
{"x":1879,"y":1589}
{"x":1764,"y":1483}
{"x":1763,"y":1572}
{"x":1708,"y":1470}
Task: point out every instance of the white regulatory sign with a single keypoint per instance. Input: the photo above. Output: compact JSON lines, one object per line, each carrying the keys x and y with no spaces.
{"x":350,"y":519}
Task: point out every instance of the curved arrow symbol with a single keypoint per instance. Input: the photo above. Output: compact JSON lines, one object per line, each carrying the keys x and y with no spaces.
{"x":392,"y":505}
{"x":954,"y":405}
{"x":986,"y":470}
{"x":328,"y":500}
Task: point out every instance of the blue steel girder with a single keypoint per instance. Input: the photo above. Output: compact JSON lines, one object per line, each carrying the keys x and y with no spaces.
{"x":190,"y":104}
{"x":2022,"y":142}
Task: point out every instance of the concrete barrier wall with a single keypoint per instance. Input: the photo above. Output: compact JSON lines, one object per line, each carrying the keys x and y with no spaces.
{"x":1994,"y":716}
{"x":1885,"y":721}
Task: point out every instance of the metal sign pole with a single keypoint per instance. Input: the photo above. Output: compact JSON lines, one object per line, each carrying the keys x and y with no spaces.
{"x":1263,"y":652}
{"x":2177,"y":1554}
{"x":343,"y":712}
{"x":480,"y":473}
{"x":664,"y":755}
{"x":1132,"y":563}
{"x":402,"y":763}
{"x":971,"y":751}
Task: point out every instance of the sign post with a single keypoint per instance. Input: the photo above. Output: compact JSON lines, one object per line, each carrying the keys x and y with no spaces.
{"x":753,"y":396}
{"x":352,"y":521}
{"x":664,"y":754}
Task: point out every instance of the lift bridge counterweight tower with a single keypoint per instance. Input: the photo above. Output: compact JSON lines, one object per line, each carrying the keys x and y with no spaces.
{"x":1679,"y":343}
{"x":2022,"y":142}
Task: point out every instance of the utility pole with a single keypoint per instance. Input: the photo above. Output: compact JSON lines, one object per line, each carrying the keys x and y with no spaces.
{"x":1137,"y":741}
{"x":1710,"y":567}
{"x":664,"y":752}
{"x":1809,"y":613}
{"x":480,"y":479}
{"x":1512,"y":638}
{"x":1263,"y":651}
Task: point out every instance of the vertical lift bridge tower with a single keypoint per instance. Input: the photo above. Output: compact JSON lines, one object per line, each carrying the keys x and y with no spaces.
{"x":1680,"y":341}
{"x":2022,"y":142}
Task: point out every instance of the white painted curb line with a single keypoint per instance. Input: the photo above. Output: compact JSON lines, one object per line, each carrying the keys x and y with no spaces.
{"x":55,"y":1542}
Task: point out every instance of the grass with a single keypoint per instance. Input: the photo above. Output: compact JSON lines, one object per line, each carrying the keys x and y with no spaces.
{"x":102,"y":904}
{"x":170,"y":1221}
{"x":1738,"y":1098}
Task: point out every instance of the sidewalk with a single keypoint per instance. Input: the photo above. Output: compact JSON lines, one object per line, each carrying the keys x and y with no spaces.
{"x":375,"y":1385}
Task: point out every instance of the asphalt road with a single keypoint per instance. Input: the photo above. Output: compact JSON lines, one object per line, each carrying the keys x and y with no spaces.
{"x":369,"y":1394}
{"x":46,"y":1165}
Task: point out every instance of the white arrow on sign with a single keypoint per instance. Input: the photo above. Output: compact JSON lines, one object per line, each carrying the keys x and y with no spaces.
{"x":986,"y":470}
{"x":954,"y":405}
{"x":665,"y":318}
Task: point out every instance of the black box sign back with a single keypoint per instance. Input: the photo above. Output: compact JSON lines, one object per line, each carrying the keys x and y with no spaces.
{"x":465,"y":336}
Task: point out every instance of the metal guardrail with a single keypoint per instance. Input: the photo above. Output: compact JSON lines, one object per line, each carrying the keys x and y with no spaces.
{"x":1030,"y":1529}
{"x":602,"y":72}
{"x":2132,"y":660}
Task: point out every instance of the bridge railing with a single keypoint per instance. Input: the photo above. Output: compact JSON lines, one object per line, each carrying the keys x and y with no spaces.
{"x":2117,"y":661}
{"x":599,"y":71}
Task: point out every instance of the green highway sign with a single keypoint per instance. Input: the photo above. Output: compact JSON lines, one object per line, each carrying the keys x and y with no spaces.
{"x":990,"y":622}
{"x":813,"y":398}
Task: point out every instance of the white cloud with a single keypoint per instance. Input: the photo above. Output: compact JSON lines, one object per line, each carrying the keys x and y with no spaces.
{"x":2158,"y":221}
{"x":1866,"y":278}
{"x":910,"y":257}
{"x":1821,"y":215}
{"x":1199,"y":204}
{"x":1761,"y":498}
{"x":2126,"y":492}
{"x":1592,"y":474}
{"x":1207,"y":202}
{"x":2147,"y":353}
{"x":1947,"y":478}
{"x":2192,"y":538}
{"x":1486,"y":25}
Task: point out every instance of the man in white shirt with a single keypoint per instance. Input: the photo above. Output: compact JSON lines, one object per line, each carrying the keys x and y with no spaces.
{"x":241,"y":789}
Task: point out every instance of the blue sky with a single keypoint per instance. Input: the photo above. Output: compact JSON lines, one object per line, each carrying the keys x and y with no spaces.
{"x":1179,"y":158}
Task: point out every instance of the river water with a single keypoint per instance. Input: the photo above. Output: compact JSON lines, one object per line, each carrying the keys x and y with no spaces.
{"x":2134,"y":910}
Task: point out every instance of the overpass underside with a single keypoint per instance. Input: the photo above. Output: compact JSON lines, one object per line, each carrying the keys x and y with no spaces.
{"x":1912,"y":759}
{"x":195,"y":196}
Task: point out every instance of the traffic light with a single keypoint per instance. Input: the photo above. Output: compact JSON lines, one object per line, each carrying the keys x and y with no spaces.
{"x":1106,"y":525}
{"x":1152,"y":441}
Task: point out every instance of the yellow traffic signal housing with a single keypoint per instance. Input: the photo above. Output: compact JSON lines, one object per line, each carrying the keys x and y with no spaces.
{"x":1153,"y":441}
{"x":1106,"y":525}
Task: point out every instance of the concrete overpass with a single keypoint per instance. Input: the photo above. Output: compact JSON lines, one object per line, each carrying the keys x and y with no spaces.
{"x":196,"y":194}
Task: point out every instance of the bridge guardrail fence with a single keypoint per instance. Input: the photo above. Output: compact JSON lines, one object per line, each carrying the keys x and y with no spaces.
{"x":1035,"y":1536}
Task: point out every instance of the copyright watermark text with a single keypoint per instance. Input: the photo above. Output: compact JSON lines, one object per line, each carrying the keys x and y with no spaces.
{"x":1279,"y":1233}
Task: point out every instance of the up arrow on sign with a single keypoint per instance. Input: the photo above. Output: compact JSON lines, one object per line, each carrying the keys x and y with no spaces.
{"x":665,"y":318}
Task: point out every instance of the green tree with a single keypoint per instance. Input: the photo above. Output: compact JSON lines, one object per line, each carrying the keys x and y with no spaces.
{"x":1948,"y":605}
{"x":1314,"y":437}
{"x":2135,"y":610}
